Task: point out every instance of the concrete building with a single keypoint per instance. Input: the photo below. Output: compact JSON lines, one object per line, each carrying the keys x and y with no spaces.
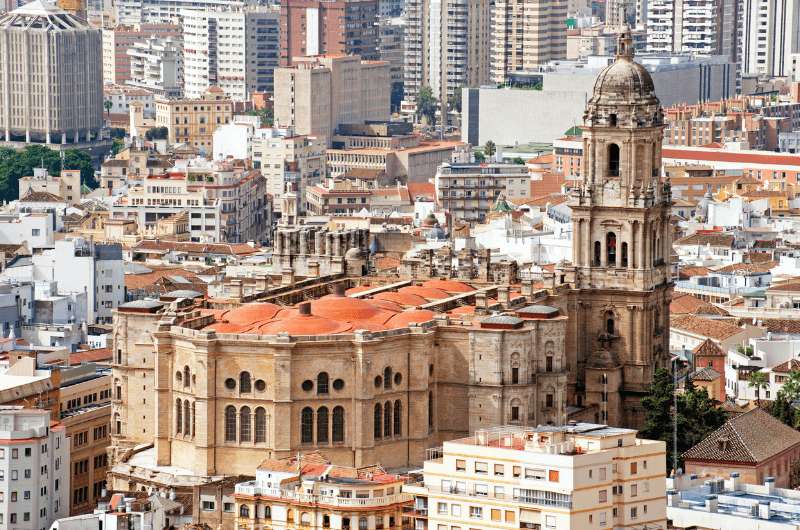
{"x":296,"y":160}
{"x":122,"y":96}
{"x":117,"y":41}
{"x":318,"y":94}
{"x":156,"y":66}
{"x":577,"y":476}
{"x":769,"y":37}
{"x":469,"y":191}
{"x":61,"y":106}
{"x":235,"y":49}
{"x":130,"y":510}
{"x":290,"y":491}
{"x":391,"y":49}
{"x":132,"y":12}
{"x":67,"y":185}
{"x":35,"y":463}
{"x":508,"y":116}
{"x":193,"y":121}
{"x":322,"y":27}
{"x":525,"y":35}
{"x":447,"y":46}
{"x":706,"y":27}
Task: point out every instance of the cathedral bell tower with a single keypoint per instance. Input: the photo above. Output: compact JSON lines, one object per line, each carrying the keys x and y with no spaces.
{"x":621,"y":245}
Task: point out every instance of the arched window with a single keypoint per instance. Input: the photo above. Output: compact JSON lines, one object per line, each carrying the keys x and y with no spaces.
{"x":624,"y":254}
{"x":244,"y":424}
{"x":609,"y":318}
{"x":307,"y":426}
{"x":514,"y":368}
{"x":305,"y":518}
{"x":117,"y":424}
{"x":387,"y":418}
{"x":267,"y":512}
{"x":613,"y":160}
{"x":387,"y":377}
{"x":178,"y":416}
{"x":398,"y":418}
{"x":230,"y":423}
{"x":548,"y":363}
{"x":597,"y":253}
{"x":186,"y":376}
{"x":362,"y":523}
{"x":322,"y":425}
{"x":515,"y":410}
{"x":377,"y":427}
{"x":244,"y":383}
{"x":187,"y":418}
{"x":261,"y":425}
{"x":338,"y":424}
{"x":430,"y":410}
{"x":244,"y":511}
{"x":611,"y":249}
{"x":322,"y":383}
{"x":194,"y":417}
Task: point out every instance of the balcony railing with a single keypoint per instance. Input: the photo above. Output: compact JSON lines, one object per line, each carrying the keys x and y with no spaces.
{"x":249,"y":488}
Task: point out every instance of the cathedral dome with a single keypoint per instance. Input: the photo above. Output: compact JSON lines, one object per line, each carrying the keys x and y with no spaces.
{"x":624,"y":80}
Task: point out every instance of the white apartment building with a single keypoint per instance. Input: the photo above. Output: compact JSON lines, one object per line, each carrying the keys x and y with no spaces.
{"x":769,"y":36}
{"x":34,"y":469}
{"x":284,"y":159}
{"x":469,"y":191}
{"x":236,"y":49}
{"x":163,"y":11}
{"x":703,"y":27}
{"x":577,"y":476}
{"x":157,"y":66}
{"x":121,"y":97}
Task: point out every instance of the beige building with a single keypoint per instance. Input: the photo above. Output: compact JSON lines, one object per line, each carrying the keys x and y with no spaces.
{"x":67,"y":185}
{"x":578,"y":476}
{"x":527,"y":34}
{"x":447,"y":46}
{"x":318,"y":94}
{"x":308,"y":492}
{"x":299,"y":160}
{"x":470,"y":191}
{"x":193,"y":121}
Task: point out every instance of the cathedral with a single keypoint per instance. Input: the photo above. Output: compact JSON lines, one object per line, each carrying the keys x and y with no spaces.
{"x":619,"y":279}
{"x":380,"y":368}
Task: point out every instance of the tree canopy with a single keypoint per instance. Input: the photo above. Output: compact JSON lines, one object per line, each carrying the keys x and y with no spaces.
{"x":698,"y":414}
{"x":427,"y":105}
{"x":157,"y":133}
{"x":15,"y":164}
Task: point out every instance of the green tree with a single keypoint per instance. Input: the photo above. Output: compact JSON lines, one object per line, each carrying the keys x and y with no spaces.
{"x":266,"y":114}
{"x":758,"y":381}
{"x":117,"y":145}
{"x":78,"y":159}
{"x":454,"y":101}
{"x":791,"y":387}
{"x":479,"y":157}
{"x":108,"y":106}
{"x":118,"y":132}
{"x":157,"y":133}
{"x":519,"y":161}
{"x":698,"y":414}
{"x":489,"y":148}
{"x":426,"y":105}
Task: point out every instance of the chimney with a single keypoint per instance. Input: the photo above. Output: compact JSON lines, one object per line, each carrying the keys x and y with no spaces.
{"x":769,"y":484}
{"x":304,"y":308}
{"x":527,"y":287}
{"x":734,"y":482}
{"x":763,"y":510}
{"x":287,"y":276}
{"x":672,"y":497}
{"x":503,"y":295}
{"x":313,"y":269}
{"x":711,"y":503}
{"x":339,"y":289}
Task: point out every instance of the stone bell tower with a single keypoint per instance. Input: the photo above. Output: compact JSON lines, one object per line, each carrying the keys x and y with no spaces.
{"x":620,"y":274}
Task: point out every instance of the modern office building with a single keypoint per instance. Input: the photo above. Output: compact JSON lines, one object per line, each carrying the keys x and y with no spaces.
{"x":447,"y":46}
{"x":236,"y":49}
{"x":34,"y":466}
{"x":38,"y":102}
{"x":527,"y":34}
{"x":322,"y":27}
{"x":577,"y":476}
{"x":318,"y":94}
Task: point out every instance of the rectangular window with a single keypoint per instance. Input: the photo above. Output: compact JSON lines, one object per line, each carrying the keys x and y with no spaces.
{"x":441,"y":508}
{"x":455,"y":510}
{"x":510,"y":516}
{"x":482,"y":490}
{"x":499,"y":469}
{"x":602,"y":496}
{"x":552,"y":475}
{"x":634,"y":468}
{"x":634,"y":490}
{"x":476,"y":512}
{"x":208,"y":506}
{"x":634,"y":513}
{"x":517,"y":471}
{"x":461,"y":465}
{"x":481,"y":468}
{"x":602,"y":473}
{"x":534,"y":474}
{"x":496,"y":515}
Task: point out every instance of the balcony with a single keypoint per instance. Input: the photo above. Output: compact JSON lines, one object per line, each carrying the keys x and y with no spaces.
{"x":254,"y":490}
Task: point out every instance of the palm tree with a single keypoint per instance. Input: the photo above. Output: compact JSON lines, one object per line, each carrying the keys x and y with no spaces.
{"x":791,"y":387}
{"x":758,"y":381}
{"x":108,"y":106}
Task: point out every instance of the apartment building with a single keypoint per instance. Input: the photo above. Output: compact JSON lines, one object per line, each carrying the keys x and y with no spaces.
{"x":122,"y":96}
{"x":156,"y":66}
{"x":577,"y":476}
{"x":289,"y":159}
{"x":66,"y":185}
{"x":308,"y":491}
{"x":447,"y":46}
{"x":34,"y":466}
{"x":526,"y":35}
{"x":117,"y":41}
{"x":193,"y":121}
{"x":318,"y":94}
{"x":322,"y":27}
{"x":703,"y":27}
{"x":469,"y":191}
{"x":769,"y":35}
{"x":226,"y":202}
{"x":236,"y":49}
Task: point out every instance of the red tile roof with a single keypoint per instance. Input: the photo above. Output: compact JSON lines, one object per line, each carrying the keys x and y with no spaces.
{"x":744,"y":157}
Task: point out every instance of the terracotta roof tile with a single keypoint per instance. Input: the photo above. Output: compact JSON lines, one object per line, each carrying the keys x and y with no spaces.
{"x":704,"y":327}
{"x":685,"y":273}
{"x":705,"y":374}
{"x":752,"y":437}
{"x":684,"y":304}
{"x":781,"y":325}
{"x":791,"y":365}
{"x":708,"y":348}
{"x":743,"y":269}
{"x":715,"y":240}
